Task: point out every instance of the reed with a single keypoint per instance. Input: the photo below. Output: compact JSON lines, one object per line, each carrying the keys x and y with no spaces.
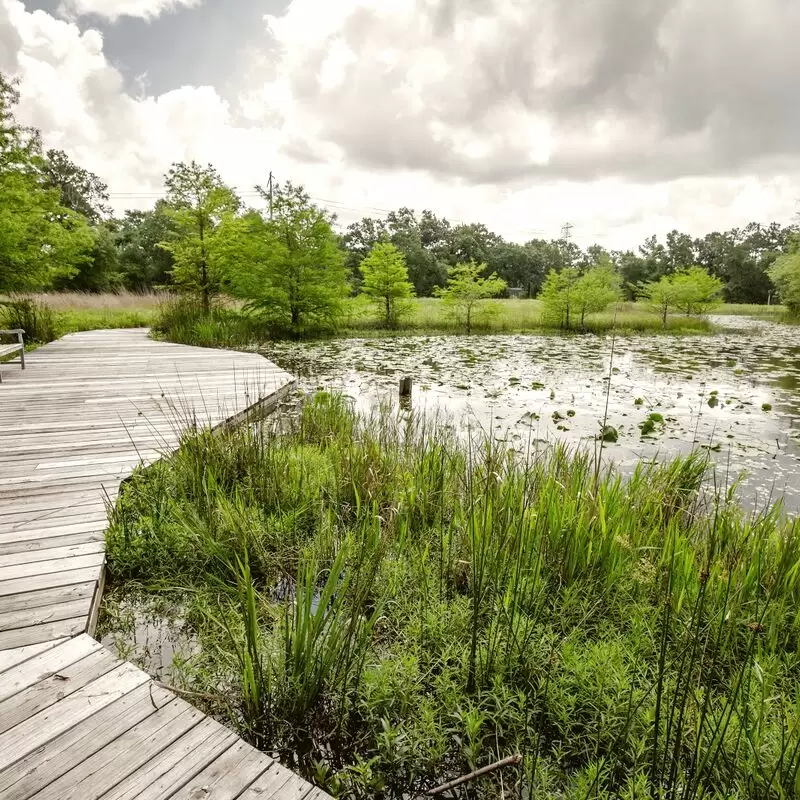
{"x":387,"y":604}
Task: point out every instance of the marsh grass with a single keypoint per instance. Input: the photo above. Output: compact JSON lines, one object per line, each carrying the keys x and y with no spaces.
{"x":60,"y":313}
{"x":386,"y":605}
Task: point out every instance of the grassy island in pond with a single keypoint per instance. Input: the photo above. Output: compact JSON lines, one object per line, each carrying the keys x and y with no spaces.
{"x":388,"y":605}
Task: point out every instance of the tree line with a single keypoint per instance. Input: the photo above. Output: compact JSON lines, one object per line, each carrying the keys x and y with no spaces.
{"x":289,"y":264}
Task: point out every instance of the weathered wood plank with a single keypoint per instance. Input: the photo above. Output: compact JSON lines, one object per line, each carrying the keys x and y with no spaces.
{"x":43,"y":766}
{"x":10,"y":658}
{"x":48,"y":691}
{"x":23,"y":636}
{"x":15,"y":572}
{"x":167,"y":772}
{"x":51,"y":580}
{"x":42,"y":666}
{"x":54,"y":612}
{"x":227,"y":776}
{"x":100,"y":772}
{"x":41,"y":728}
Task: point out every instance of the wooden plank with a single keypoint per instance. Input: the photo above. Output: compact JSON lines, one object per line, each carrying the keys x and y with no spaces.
{"x":42,"y":666}
{"x":100,"y":772}
{"x":20,"y":637}
{"x":16,"y":572}
{"x":9,"y":620}
{"x":51,"y":580}
{"x":10,"y":658}
{"x":227,"y":776}
{"x":46,"y":725}
{"x":54,"y":689}
{"x":277,"y":782}
{"x":41,"y":767}
{"x":177,"y":764}
{"x":53,"y":554}
{"x":38,"y":545}
{"x":32,"y":601}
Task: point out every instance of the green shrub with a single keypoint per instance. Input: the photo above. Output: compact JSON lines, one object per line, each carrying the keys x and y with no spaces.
{"x":34,"y":317}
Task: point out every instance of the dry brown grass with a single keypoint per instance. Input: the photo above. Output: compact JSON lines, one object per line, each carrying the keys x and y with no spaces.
{"x":109,"y":301}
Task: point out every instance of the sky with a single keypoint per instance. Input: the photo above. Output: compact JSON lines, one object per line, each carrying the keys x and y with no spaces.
{"x":624,"y":118}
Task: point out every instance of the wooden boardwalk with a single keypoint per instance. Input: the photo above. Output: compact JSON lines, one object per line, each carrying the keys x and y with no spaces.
{"x":75,"y":722}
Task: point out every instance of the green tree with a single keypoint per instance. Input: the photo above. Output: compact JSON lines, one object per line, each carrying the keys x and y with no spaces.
{"x":197,"y":203}
{"x":661,"y":296}
{"x":358,"y":241}
{"x":40,"y":240}
{"x":693,"y":291}
{"x":558,"y":295}
{"x":100,"y":272}
{"x":289,"y":268}
{"x":697,"y":290}
{"x":785,"y":274}
{"x":143,"y":263}
{"x":632,"y":270}
{"x":423,"y":246}
{"x":596,"y":290}
{"x":79,"y":189}
{"x":466,"y":288}
{"x":386,"y":281}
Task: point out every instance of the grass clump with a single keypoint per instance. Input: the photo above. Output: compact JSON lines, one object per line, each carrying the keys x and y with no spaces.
{"x":34,"y":317}
{"x":388,"y":606}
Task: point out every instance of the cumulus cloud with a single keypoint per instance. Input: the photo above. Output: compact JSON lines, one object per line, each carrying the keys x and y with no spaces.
{"x":624,"y":118}
{"x":114,"y":9}
{"x":514,"y":89}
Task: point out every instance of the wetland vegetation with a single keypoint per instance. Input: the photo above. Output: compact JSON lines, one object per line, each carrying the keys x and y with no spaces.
{"x":387,"y":603}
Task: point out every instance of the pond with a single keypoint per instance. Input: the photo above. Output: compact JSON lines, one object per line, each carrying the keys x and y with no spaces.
{"x":735,"y":393}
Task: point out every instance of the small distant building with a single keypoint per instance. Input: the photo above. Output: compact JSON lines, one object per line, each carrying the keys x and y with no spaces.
{"x":515,"y":292}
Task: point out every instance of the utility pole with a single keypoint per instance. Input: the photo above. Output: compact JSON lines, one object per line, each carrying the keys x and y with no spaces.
{"x":566,"y":231}
{"x":270,"y":194}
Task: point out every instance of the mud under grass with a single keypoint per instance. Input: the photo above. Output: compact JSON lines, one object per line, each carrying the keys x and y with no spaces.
{"x":385,"y":605}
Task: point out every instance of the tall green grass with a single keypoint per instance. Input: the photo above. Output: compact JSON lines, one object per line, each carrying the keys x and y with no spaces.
{"x":227,"y":326}
{"x":387,"y":605}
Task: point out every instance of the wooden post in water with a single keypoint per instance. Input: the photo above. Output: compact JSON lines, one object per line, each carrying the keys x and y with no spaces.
{"x":405,"y":387}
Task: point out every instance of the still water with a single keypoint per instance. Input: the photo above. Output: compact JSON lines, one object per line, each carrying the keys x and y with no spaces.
{"x":736,"y":393}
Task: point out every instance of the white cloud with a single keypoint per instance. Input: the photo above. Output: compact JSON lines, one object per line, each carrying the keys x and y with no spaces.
{"x":114,"y":9}
{"x":377,"y":105}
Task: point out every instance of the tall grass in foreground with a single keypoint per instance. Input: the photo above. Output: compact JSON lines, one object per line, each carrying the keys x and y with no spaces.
{"x":387,"y":606}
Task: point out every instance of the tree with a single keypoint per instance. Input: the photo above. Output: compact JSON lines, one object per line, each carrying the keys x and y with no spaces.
{"x":520,"y":265}
{"x":197,"y":203}
{"x":100,"y":272}
{"x":785,"y":274}
{"x":632,"y":270}
{"x":143,"y":263}
{"x":423,"y":246}
{"x":466,"y":288}
{"x":557,"y":297}
{"x":386,"y":281}
{"x":79,"y":189}
{"x":693,"y":291}
{"x":290,"y":268}
{"x":660,"y":296}
{"x":697,"y":292}
{"x":596,"y":289}
{"x":40,"y":240}
{"x":359,"y":240}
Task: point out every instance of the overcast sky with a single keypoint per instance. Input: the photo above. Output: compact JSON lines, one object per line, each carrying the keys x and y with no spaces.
{"x":623,"y":117}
